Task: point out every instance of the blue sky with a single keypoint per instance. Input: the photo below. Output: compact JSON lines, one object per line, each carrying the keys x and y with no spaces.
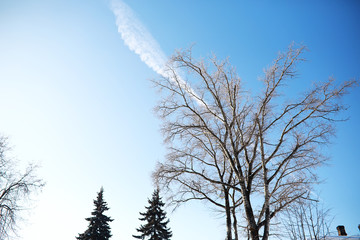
{"x":75,"y":99}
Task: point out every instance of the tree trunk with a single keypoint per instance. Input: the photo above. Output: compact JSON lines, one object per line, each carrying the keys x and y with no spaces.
{"x":228,"y":214}
{"x":235,"y":223}
{"x":253,"y":228}
{"x":267,"y":207}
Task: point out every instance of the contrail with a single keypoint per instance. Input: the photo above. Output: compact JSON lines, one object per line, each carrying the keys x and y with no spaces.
{"x":140,"y":41}
{"x":138,"y":38}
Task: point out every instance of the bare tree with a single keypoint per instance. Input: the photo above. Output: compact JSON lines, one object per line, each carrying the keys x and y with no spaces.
{"x":307,"y":219}
{"x":270,"y":142}
{"x":15,"y":187}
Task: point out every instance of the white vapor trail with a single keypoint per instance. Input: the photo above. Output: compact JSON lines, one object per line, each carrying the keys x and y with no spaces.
{"x":140,"y":41}
{"x":138,"y":38}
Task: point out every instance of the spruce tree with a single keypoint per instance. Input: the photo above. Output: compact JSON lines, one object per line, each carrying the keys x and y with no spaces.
{"x":98,"y":228}
{"x":155,"y":227}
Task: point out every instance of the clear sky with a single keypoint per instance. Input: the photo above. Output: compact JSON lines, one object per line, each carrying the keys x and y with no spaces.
{"x":76,"y":98}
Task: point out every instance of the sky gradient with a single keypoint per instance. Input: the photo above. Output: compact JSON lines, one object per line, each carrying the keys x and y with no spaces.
{"x":75,"y":97}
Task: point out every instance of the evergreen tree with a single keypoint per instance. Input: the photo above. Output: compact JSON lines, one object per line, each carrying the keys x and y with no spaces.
{"x":98,"y":228}
{"x":156,"y":225}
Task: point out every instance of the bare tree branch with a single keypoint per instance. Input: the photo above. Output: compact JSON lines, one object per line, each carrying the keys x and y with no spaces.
{"x":14,"y":189}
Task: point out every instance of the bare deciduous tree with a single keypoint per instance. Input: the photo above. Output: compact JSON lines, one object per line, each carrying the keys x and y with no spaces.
{"x":269,"y":142}
{"x":307,"y":219}
{"x":15,"y":187}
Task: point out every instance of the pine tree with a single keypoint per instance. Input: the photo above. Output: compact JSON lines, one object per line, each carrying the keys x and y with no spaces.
{"x":98,"y":228}
{"x":156,"y":225}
